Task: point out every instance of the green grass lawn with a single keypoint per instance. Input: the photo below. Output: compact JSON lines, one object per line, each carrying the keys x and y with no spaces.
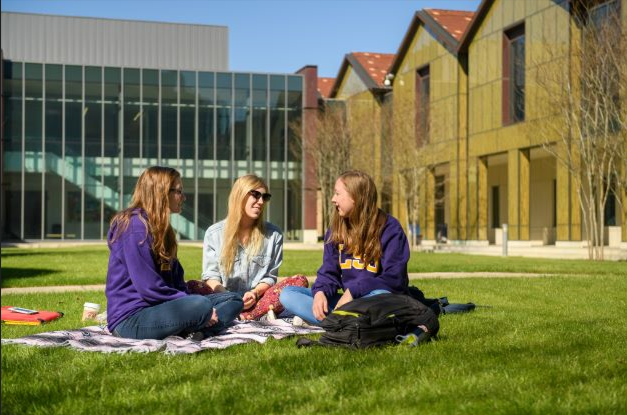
{"x":550,"y":345}
{"x":88,"y":265}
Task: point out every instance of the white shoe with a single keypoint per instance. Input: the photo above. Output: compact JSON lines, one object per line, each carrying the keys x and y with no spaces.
{"x":271,"y":315}
{"x":299,"y":322}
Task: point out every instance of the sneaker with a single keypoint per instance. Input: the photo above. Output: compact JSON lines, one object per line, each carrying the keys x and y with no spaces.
{"x":299,"y":322}
{"x":196,"y":336}
{"x":414,"y":338}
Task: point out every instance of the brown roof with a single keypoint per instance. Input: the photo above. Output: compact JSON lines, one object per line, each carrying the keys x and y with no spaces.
{"x":370,"y":67}
{"x":446,"y":26}
{"x":324,"y":86}
{"x":455,"y":22}
{"x":375,"y":64}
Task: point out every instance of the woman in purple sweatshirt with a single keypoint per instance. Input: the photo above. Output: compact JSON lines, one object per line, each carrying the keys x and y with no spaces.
{"x":365,"y":253}
{"x":147,"y":296}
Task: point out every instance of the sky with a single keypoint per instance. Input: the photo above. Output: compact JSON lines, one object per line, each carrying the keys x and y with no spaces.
{"x":270,"y":36}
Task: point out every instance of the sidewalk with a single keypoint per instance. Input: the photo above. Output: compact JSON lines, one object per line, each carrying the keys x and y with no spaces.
{"x":546,"y":251}
{"x":412,"y":276}
{"x":198,"y":244}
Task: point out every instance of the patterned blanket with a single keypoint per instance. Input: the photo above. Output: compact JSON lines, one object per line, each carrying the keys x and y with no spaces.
{"x":97,"y":339}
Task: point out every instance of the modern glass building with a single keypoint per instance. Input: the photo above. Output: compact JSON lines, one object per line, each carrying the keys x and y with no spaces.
{"x":76,"y":136}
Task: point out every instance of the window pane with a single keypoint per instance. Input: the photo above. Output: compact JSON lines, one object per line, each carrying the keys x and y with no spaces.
{"x":150,"y":115}
{"x":277,"y":135}
{"x":12,"y":163}
{"x":132,"y":114}
{"x":277,"y":91}
{"x":169,"y":125}
{"x":223,"y":120}
{"x":93,"y":111}
{"x":205,"y":116}
{"x":241,"y":120}
{"x":111,"y":170}
{"x":295,"y":91}
{"x":13,"y":94}
{"x":188,"y":115}
{"x":32,"y":205}
{"x":260,"y":121}
{"x":518,"y":78}
{"x":73,"y":167}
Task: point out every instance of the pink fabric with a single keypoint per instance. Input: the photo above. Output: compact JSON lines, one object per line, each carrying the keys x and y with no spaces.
{"x":270,"y":299}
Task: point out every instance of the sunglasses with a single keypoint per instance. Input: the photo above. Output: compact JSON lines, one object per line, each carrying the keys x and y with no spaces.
{"x":265,"y":196}
{"x":177,"y":191}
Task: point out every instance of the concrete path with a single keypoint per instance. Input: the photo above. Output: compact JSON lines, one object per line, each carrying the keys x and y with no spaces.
{"x":412,"y":276}
{"x":54,"y":289}
{"x":516,"y":248}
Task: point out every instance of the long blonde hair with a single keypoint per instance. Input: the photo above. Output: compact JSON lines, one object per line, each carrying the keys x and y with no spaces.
{"x":237,"y":201}
{"x":361,"y":230}
{"x":151,"y":194}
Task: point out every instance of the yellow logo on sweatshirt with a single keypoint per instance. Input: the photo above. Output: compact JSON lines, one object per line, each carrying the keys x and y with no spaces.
{"x":356,"y":262}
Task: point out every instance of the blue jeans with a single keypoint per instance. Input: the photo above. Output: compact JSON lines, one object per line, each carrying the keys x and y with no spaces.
{"x":299,"y":301}
{"x":182,"y":316}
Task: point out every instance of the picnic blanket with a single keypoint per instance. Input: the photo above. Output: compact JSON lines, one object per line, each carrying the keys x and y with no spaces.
{"x":99,"y":339}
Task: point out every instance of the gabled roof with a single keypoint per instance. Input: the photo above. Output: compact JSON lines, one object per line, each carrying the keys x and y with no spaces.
{"x":455,"y":22}
{"x":483,"y":9}
{"x":371,"y":67}
{"x":324,"y":86}
{"x":446,"y":26}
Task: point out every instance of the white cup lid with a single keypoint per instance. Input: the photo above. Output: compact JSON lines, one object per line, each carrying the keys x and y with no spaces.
{"x":92,"y":305}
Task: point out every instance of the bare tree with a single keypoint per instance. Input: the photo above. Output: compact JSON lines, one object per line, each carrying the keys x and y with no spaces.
{"x":585,"y":89}
{"x":409,"y":166}
{"x":330,"y":150}
{"x":364,"y":120}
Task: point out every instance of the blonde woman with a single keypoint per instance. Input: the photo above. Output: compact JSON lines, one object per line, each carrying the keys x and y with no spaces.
{"x":365,"y":253}
{"x":243,"y":253}
{"x":146,"y":293}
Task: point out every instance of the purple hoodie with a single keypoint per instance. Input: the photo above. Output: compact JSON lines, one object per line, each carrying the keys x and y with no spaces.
{"x":342,"y":270}
{"x":133,"y":280}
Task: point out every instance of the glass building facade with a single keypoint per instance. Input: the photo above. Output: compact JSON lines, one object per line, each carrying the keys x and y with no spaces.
{"x":76,"y":138}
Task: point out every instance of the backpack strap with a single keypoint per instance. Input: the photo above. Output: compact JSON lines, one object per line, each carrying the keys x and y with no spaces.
{"x":453,"y":308}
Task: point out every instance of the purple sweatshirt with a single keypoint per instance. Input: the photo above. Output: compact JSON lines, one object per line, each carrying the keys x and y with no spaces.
{"x":133,"y":280}
{"x":342,"y":270}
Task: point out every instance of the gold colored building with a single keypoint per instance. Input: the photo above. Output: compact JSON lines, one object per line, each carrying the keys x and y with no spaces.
{"x":469,"y":115}
{"x":429,"y":126}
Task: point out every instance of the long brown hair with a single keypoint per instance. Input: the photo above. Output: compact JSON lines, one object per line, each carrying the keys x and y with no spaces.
{"x":237,"y":201}
{"x":360,"y":231}
{"x":151,"y":194}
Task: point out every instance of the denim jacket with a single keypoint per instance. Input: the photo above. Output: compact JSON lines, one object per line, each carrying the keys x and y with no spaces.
{"x":247,"y":272}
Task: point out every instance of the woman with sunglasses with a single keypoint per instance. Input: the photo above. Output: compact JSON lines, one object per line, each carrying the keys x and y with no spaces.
{"x":147,"y":297}
{"x":243,"y":253}
{"x":365,"y":253}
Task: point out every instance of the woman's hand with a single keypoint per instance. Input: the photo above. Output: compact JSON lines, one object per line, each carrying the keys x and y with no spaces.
{"x":213,"y":320}
{"x":250,"y":299}
{"x":347,"y":297}
{"x":320,"y":306}
{"x":198,"y":287}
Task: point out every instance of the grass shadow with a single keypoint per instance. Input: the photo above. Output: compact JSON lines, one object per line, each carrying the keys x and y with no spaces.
{"x":14,"y":253}
{"x":12,"y":274}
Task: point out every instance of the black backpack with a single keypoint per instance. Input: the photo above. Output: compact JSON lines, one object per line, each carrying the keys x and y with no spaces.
{"x":374,"y":321}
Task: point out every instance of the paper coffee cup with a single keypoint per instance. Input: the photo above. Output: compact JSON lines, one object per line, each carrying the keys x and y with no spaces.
{"x":90,"y":311}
